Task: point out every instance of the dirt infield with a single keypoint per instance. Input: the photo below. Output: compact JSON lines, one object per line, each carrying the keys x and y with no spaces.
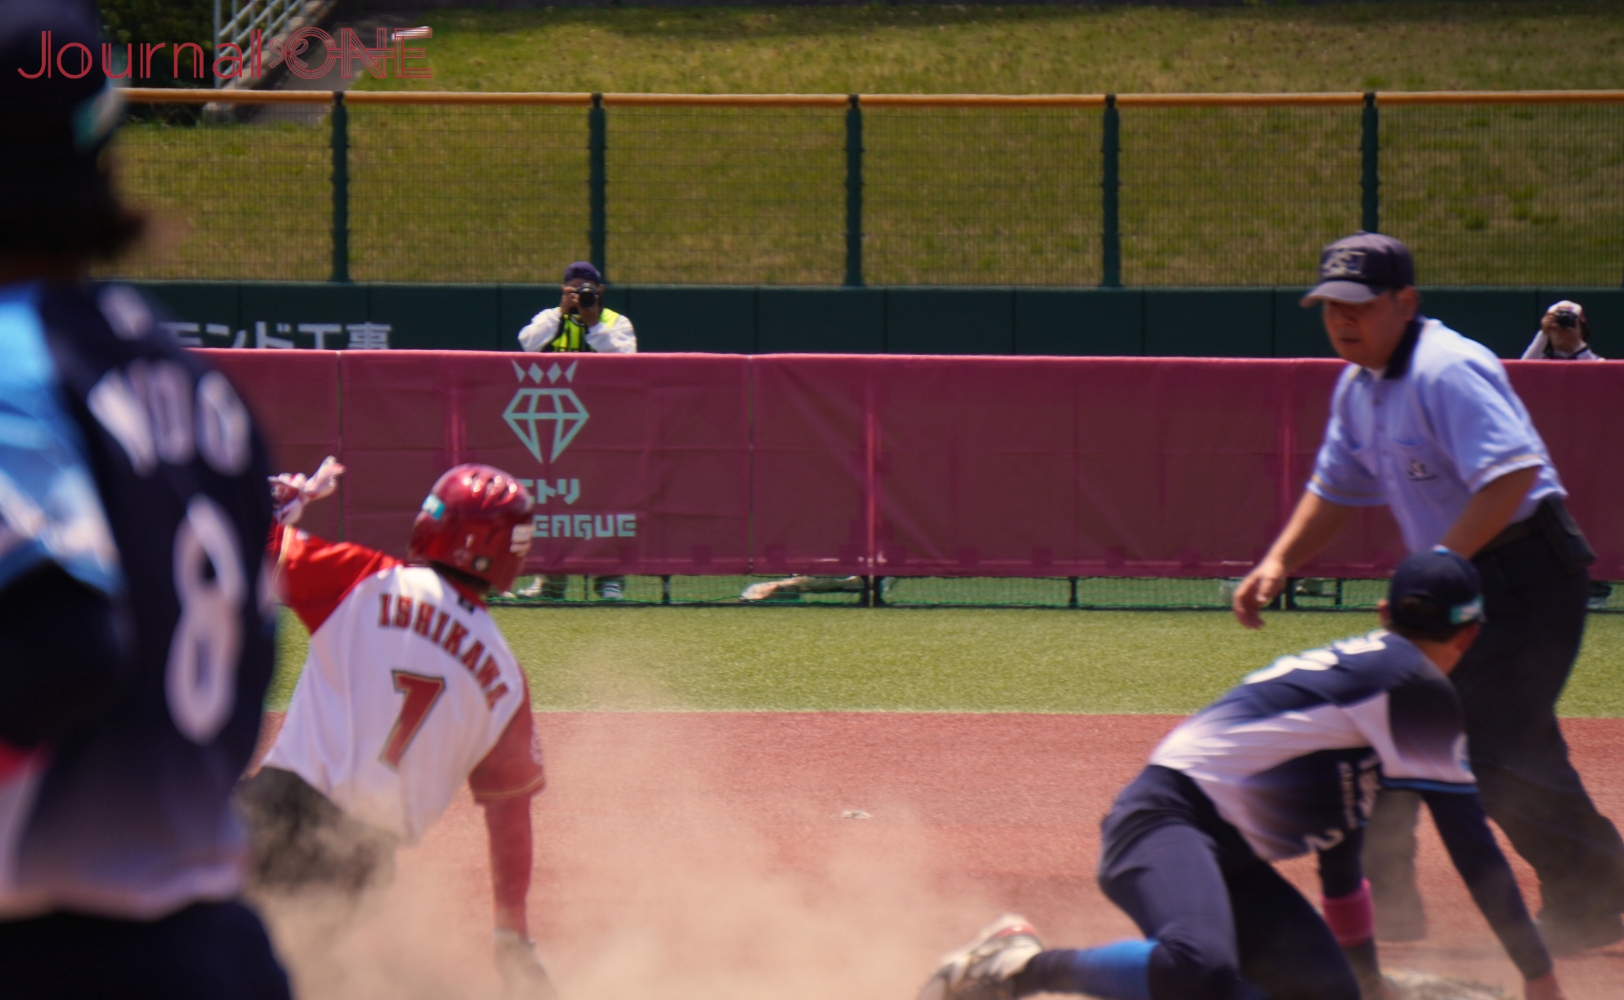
{"x":807,"y":855}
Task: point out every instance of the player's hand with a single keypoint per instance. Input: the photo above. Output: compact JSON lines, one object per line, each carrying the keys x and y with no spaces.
{"x":1261,"y":586}
{"x":523,"y":975}
{"x":291,"y":491}
{"x":1544,"y":988}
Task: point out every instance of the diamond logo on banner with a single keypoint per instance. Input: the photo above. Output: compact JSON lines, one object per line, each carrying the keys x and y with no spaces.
{"x":531,"y":409}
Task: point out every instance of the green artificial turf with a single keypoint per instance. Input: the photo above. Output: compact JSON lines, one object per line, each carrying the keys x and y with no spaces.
{"x":969,"y":660}
{"x":1486,"y":196}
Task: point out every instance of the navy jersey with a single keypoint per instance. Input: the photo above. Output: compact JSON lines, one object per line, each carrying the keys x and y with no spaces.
{"x":138,"y":470}
{"x":1293,"y":756}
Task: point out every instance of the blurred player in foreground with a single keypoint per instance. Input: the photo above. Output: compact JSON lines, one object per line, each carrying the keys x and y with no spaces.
{"x":409,"y":690}
{"x":1287,"y":762}
{"x":135,"y":627}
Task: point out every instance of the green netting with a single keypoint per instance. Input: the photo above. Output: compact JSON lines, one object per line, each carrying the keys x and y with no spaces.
{"x":978,"y":196}
{"x":1507,"y":195}
{"x":1235,"y":196}
{"x":466,"y":195}
{"x":1149,"y":593}
{"x":1486,"y":195}
{"x":230,"y":202}
{"x":734,"y":196}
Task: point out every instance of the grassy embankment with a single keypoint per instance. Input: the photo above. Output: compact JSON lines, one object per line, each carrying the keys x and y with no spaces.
{"x":1487,"y":195}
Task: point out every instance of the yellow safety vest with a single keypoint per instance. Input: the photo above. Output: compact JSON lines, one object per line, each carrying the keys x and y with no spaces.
{"x":571,"y":336}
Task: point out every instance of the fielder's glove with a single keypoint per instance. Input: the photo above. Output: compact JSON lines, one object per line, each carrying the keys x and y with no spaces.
{"x":523,"y":975}
{"x":291,"y":491}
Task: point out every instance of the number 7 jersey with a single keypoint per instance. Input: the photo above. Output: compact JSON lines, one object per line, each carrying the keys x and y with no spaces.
{"x":409,"y":689}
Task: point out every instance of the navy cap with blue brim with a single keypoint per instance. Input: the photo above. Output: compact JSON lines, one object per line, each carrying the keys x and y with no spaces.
{"x":1447,"y":586}
{"x":1360,"y":267}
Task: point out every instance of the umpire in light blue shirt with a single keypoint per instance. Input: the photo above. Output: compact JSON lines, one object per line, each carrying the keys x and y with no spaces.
{"x":1425,"y":421}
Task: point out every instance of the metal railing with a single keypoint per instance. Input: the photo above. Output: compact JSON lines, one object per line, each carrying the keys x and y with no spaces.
{"x":1094,"y":189}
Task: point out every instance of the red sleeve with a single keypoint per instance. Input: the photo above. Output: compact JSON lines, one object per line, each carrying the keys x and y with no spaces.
{"x":314,"y":575}
{"x":503,"y":784}
{"x":513,"y":767}
{"x":507,"y":823}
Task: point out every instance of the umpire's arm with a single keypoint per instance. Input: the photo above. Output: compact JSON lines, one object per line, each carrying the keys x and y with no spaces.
{"x":1313,"y":524}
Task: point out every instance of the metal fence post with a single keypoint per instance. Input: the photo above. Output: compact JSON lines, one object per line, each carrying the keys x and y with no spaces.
{"x":1110,"y":185}
{"x":1370,"y":175}
{"x":854,"y":193}
{"x":598,"y":182}
{"x":341,"y":189}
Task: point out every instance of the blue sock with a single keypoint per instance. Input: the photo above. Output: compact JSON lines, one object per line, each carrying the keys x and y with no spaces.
{"x":1119,"y":971}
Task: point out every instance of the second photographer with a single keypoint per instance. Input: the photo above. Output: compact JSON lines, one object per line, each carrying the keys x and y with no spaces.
{"x":1564,"y":335}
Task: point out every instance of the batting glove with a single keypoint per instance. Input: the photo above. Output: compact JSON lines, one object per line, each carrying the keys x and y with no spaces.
{"x":523,"y":975}
{"x":291,"y":491}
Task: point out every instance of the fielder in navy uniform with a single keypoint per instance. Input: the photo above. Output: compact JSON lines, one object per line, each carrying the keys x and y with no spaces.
{"x":135,"y":617}
{"x":1425,"y":421}
{"x":1286,"y":763}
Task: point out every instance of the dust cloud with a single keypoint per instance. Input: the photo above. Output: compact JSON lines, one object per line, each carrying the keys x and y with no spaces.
{"x":684,"y":855}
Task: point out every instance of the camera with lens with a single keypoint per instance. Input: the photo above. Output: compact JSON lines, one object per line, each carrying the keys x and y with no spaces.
{"x":587,"y":296}
{"x":1567,"y":318}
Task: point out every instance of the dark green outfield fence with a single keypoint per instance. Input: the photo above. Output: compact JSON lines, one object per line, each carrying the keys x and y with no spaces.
{"x":1520,"y":189}
{"x":1167,"y":322}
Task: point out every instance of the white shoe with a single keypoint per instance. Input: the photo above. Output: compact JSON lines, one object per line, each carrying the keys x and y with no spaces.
{"x":611,"y":590}
{"x":985,"y":969}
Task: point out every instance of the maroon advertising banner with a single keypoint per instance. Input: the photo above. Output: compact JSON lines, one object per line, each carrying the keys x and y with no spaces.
{"x":879,"y":465}
{"x":639,"y":463}
{"x":294,"y":398}
{"x":1008,"y":466}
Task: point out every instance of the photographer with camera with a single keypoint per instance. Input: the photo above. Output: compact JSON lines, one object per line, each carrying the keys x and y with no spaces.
{"x":1563,"y":335}
{"x":580,"y":322}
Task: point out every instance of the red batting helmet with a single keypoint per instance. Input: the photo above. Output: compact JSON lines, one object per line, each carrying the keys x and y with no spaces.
{"x":476,"y":520}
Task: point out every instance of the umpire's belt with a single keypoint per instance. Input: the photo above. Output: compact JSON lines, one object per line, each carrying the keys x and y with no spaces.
{"x":1551,"y":521}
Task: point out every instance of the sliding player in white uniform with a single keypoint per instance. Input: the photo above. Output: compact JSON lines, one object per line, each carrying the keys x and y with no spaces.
{"x":409,"y":690}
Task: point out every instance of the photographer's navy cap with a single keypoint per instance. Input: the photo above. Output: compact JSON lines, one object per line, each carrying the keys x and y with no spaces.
{"x":1449,"y":591}
{"x":1360,"y":267}
{"x":582,"y":271}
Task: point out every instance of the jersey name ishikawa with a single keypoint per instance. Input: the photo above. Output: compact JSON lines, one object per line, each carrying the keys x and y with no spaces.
{"x":430,"y":623}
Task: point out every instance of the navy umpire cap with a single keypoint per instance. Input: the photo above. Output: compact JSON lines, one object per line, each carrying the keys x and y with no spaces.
{"x":583,"y":271}
{"x":1444,"y":591}
{"x":1360,"y":267}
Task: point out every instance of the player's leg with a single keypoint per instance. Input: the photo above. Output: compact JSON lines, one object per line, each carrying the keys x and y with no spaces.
{"x":298,"y":839}
{"x":1286,"y":950}
{"x":204,"y":952}
{"x":1168,"y":879}
{"x":1389,"y":862}
{"x":1509,"y":682}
